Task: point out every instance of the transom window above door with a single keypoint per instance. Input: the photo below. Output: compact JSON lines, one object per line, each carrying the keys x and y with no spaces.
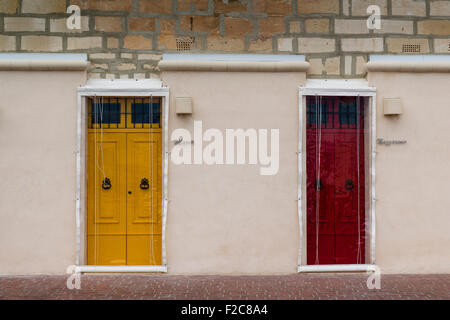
{"x":335,"y":112}
{"x":124,"y":113}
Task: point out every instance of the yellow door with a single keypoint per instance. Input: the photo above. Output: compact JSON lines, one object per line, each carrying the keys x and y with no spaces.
{"x":124,"y":186}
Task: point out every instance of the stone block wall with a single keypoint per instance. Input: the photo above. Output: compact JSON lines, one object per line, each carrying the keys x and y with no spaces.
{"x":125,"y":38}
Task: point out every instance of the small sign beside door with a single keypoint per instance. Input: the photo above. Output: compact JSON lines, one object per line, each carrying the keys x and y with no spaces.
{"x":389,"y":142}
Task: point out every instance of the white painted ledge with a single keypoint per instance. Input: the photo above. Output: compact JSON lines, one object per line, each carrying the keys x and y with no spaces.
{"x":338,"y":268}
{"x":407,"y":66}
{"x":43,"y":65}
{"x":234,"y":66}
{"x":120,"y":269}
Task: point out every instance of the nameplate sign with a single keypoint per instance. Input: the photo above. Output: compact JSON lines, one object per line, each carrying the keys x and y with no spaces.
{"x":390,"y":142}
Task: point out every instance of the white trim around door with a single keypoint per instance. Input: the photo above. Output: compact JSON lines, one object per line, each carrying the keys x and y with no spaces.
{"x":335,"y":88}
{"x":117,"y":88}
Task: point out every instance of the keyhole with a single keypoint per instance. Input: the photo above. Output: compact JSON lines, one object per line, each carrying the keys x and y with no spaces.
{"x":129,"y":192}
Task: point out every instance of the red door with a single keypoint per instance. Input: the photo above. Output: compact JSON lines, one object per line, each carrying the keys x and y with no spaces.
{"x":335,"y":180}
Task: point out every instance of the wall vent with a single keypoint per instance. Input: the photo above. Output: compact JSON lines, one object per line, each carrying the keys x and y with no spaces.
{"x":411,"y":48}
{"x":184,"y":44}
{"x":449,"y":46}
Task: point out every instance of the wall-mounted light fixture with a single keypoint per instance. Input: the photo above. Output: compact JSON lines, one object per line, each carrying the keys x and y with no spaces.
{"x":392,"y":106}
{"x":183,"y":105}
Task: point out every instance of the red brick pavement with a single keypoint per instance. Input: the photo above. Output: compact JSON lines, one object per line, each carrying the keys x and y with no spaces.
{"x":295,"y":286}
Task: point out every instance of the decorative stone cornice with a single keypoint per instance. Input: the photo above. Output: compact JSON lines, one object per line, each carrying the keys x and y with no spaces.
{"x":43,"y":65}
{"x":417,"y":67}
{"x":233,"y":66}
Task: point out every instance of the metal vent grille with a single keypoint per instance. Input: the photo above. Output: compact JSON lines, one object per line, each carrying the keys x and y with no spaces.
{"x":449,"y":47}
{"x":411,"y":48}
{"x":184,"y":44}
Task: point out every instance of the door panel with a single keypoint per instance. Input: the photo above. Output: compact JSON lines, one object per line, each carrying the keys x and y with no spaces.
{"x":144,"y":249}
{"x":106,"y":250}
{"x":106,"y":206}
{"x":144,"y":198}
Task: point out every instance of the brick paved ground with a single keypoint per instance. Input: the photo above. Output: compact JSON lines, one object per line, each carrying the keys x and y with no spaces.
{"x":295,"y":286}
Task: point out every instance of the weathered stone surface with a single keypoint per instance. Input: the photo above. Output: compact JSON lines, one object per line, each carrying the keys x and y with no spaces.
{"x":317,"y":25}
{"x":237,"y":27}
{"x":295,"y":27}
{"x":102,"y":56}
{"x":108,"y":24}
{"x":332,"y":66}
{"x":216,"y":43}
{"x":442,"y":46}
{"x":112,"y":43}
{"x":166,"y":26}
{"x":7,"y":43}
{"x":9,"y":6}
{"x":141,"y":24}
{"x":137,"y":42}
{"x":346,"y":7}
{"x":24,"y":24}
{"x":440,"y":8}
{"x":125,"y":66}
{"x":409,"y":8}
{"x":273,"y":7}
{"x":261,"y":44}
{"x":167,"y":42}
{"x":316,"y":66}
{"x":102,"y":66}
{"x":359,"y":7}
{"x":147,"y":66}
{"x":187,"y":5}
{"x":362,"y":44}
{"x":139,"y":75}
{"x":350,"y":26}
{"x":84,"y":43}
{"x":317,"y":6}
{"x":41,"y":43}
{"x":221,"y":6}
{"x":284,"y":44}
{"x":360,"y":65}
{"x":396,"y":26}
{"x":200,"y":23}
{"x":110,"y":5}
{"x":60,"y":25}
{"x":396,"y":45}
{"x":271,"y":25}
{"x":149,"y":56}
{"x":43,"y":6}
{"x":435,"y":27}
{"x":316,"y":45}
{"x":348,"y":60}
{"x":94,"y":75}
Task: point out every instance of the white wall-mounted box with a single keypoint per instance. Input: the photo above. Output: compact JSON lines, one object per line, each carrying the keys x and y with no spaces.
{"x":183,"y":105}
{"x":392,"y":106}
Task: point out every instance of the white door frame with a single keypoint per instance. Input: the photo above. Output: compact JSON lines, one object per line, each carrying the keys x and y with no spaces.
{"x":334,"y":88}
{"x":116,"y":88}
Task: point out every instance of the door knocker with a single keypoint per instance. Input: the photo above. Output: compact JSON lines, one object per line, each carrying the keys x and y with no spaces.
{"x":349,"y":184}
{"x":319,"y":185}
{"x":106,"y":184}
{"x":144,"y":184}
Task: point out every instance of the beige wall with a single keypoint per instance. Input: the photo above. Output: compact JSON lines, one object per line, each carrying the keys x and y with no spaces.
{"x":229,"y":218}
{"x":413,"y":180}
{"x":225,"y":218}
{"x":38,"y":171}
